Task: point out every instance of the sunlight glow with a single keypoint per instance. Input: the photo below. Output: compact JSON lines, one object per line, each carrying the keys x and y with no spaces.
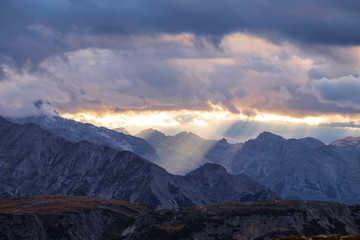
{"x":184,"y":119}
{"x":313,"y":121}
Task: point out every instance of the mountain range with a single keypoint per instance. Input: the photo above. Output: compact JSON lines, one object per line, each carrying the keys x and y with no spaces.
{"x":186,"y":151}
{"x":302,"y":168}
{"x":76,"y":131}
{"x":295,"y":168}
{"x":33,"y":161}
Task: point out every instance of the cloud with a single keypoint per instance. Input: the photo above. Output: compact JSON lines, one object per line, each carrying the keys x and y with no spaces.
{"x":343,"y":91}
{"x":350,"y":124}
{"x":244,"y":74}
{"x":241,"y":131}
{"x":34,"y":30}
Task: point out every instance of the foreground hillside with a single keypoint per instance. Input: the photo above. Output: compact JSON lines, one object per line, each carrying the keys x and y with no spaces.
{"x":322,"y":237}
{"x":34,"y":161}
{"x":61,"y":217}
{"x":56,"y":217}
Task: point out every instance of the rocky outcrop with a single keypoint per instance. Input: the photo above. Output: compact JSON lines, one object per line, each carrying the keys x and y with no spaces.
{"x":350,"y":142}
{"x":322,"y":237}
{"x":60,"y":217}
{"x":217,"y":185}
{"x":248,"y":220}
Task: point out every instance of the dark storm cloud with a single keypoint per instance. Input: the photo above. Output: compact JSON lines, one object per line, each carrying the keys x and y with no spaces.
{"x":2,"y":74}
{"x":350,"y":124}
{"x":314,"y":74}
{"x":38,"y":103}
{"x":38,"y":28}
{"x":343,"y":91}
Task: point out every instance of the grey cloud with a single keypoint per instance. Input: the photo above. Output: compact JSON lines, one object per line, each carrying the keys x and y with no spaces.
{"x":243,"y":130}
{"x":350,"y":124}
{"x":37,"y":29}
{"x":38,"y":103}
{"x":155,"y":73}
{"x":2,"y":74}
{"x":315,"y":74}
{"x":309,"y":104}
{"x":342,"y":91}
{"x":262,"y":67}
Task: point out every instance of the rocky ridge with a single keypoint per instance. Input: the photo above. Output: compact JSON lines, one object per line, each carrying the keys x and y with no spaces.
{"x":295,"y":168}
{"x":301,"y":168}
{"x":34,"y":161}
{"x":76,"y":131}
{"x":60,"y":217}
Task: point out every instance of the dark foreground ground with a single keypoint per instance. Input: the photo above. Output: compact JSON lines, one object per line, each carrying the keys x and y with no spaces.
{"x":62,"y":217}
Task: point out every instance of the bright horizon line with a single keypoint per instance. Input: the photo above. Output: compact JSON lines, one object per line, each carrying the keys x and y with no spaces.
{"x":213,"y":124}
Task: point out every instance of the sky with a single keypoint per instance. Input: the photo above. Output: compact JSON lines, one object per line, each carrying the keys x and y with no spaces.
{"x":228,"y":68}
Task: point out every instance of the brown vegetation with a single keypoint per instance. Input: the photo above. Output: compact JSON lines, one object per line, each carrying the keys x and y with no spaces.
{"x":56,"y":205}
{"x":322,"y":237}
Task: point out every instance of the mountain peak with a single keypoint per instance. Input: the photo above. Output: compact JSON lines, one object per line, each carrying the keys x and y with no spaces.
{"x":348,"y":141}
{"x":45,"y":108}
{"x":268,"y":136}
{"x":189,"y":135}
{"x":150,"y":132}
{"x":122,"y":130}
{"x":210,"y":168}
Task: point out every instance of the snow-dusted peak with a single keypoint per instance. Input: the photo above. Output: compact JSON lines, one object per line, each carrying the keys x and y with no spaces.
{"x":46,"y":108}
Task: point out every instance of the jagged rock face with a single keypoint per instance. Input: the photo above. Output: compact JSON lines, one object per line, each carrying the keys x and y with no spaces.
{"x":35,"y":162}
{"x":351,"y":142}
{"x":223,"y":153}
{"x":301,"y":169}
{"x":185,"y":151}
{"x":217,"y":185}
{"x":248,"y":220}
{"x":60,"y":217}
{"x":77,"y":131}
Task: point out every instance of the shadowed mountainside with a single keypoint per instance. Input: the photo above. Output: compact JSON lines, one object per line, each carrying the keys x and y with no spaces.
{"x":301,"y":168}
{"x":35,"y":162}
{"x":295,"y":168}
{"x":76,"y":131}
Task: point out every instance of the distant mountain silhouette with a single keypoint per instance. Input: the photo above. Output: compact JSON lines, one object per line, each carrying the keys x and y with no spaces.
{"x":185,"y":151}
{"x":34,"y":161}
